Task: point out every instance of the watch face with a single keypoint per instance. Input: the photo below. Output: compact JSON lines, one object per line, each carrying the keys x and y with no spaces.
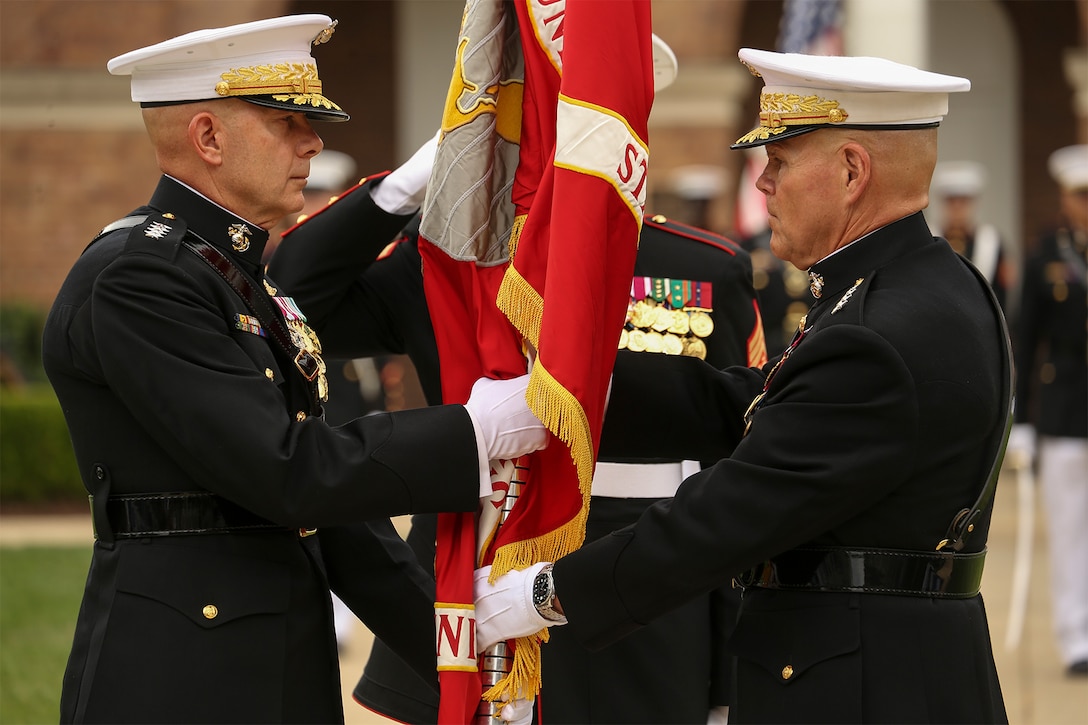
{"x":540,"y":590}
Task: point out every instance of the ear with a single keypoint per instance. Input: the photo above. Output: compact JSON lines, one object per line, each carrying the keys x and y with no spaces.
{"x":205,"y":135}
{"x":857,"y":167}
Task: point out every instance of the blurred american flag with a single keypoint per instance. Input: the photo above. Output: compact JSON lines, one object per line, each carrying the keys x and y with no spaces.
{"x":813,"y":27}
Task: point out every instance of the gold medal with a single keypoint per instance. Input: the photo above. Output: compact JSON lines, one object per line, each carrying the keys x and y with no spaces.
{"x":306,"y":340}
{"x":636,"y":340}
{"x":701,"y":324}
{"x":680,"y":324}
{"x":671,"y":344}
{"x":654,"y":342}
{"x":642,"y":314}
{"x":662,"y":319}
{"x":694,"y":347}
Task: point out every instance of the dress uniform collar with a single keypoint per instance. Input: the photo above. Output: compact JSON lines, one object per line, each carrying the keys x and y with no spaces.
{"x":835,"y":274}
{"x":241,"y":240}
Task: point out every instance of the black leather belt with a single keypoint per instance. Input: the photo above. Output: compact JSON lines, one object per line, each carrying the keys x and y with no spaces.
{"x":184,"y":513}
{"x":943,"y":575}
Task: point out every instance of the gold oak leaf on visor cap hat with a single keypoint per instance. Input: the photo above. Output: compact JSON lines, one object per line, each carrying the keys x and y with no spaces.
{"x":266,"y":62}
{"x":1069,"y":167}
{"x":803,"y":93}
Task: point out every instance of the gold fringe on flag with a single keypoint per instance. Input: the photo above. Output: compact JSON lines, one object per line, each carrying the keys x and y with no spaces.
{"x":521,"y":304}
{"x":564,"y":416}
{"x":524,"y":679}
{"x":515,"y":233}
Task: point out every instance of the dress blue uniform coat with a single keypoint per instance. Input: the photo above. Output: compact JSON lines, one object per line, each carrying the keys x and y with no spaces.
{"x":881,"y":426}
{"x":1052,"y":340}
{"x":166,"y":390}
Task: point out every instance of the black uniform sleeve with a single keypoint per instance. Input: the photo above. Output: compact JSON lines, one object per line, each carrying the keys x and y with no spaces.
{"x":391,"y":593}
{"x":804,"y":468}
{"x":229,"y":425}
{"x":318,"y":259}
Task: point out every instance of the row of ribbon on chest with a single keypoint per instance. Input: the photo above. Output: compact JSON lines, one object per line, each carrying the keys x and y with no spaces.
{"x":670,"y":316}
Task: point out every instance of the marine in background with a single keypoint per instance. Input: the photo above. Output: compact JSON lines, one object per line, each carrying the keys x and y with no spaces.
{"x":954,"y":197}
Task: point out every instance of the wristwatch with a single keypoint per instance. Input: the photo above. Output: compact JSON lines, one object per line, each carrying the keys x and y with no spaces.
{"x":544,"y":595}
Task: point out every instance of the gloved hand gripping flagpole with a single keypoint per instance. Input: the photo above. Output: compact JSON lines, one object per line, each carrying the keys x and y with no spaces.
{"x":497,"y":660}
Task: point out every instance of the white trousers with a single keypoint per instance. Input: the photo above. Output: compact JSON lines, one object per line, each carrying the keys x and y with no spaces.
{"x":1063,"y":473}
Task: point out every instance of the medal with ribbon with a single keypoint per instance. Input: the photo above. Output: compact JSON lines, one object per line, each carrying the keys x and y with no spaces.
{"x":668,"y":316}
{"x":758,"y":400}
{"x":308,"y":361}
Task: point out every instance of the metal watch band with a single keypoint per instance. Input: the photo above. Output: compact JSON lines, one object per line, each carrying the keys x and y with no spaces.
{"x":544,"y":595}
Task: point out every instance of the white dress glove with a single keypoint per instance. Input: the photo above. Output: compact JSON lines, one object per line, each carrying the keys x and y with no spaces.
{"x":1020,"y":452}
{"x":518,"y":712}
{"x":402,"y":190}
{"x":505,"y":427}
{"x":504,"y":610}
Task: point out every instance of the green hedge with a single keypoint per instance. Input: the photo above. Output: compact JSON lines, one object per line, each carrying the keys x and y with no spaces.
{"x":21,"y":326}
{"x":37,"y":464}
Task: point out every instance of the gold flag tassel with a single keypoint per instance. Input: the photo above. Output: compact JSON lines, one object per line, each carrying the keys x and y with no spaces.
{"x":563,"y":415}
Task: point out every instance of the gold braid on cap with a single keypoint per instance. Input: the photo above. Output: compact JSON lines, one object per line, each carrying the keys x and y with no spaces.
{"x":779,"y":110}
{"x":295,"y":82}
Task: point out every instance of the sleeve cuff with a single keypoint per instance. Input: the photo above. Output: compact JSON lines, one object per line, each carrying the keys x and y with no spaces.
{"x":481,"y":454}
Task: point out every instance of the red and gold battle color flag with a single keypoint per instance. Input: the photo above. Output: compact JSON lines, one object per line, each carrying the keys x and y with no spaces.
{"x":529,"y":236}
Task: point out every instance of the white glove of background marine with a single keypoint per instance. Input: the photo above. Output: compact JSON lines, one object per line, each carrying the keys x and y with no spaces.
{"x":403,"y":189}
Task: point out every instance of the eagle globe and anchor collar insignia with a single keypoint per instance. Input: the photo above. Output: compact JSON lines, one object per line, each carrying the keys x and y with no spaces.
{"x":239,"y":237}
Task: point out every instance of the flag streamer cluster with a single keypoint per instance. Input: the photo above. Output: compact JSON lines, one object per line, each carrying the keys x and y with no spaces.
{"x":531,"y":222}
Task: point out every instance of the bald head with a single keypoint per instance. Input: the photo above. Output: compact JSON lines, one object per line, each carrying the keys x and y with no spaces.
{"x":832,"y":186}
{"x":902,"y":163}
{"x":169,"y":130}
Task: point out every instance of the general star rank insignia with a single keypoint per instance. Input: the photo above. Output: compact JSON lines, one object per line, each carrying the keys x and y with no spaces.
{"x":846,"y":297}
{"x":157,"y":230}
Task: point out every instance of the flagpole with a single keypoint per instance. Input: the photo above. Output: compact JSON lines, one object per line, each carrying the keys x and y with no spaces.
{"x":497,"y":661}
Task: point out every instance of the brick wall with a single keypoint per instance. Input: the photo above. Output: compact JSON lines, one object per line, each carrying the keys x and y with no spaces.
{"x":73,"y":155}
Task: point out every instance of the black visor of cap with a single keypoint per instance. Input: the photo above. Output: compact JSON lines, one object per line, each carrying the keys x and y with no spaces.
{"x":314,"y":113}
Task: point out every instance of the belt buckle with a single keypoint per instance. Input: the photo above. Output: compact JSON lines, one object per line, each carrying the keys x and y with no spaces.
{"x":304,"y":532}
{"x":749,"y":577}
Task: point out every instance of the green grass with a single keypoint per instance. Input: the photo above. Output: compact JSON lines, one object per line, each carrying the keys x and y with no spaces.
{"x":40,"y":590}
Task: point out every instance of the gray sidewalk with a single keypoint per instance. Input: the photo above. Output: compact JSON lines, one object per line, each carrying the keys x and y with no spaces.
{"x":1037,"y":692}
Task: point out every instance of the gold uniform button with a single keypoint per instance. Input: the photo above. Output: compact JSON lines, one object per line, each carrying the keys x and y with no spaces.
{"x":787,"y":672}
{"x":210,"y":611}
{"x":659,"y":218}
{"x":168,"y":215}
{"x":300,"y":416}
{"x":269,"y":374}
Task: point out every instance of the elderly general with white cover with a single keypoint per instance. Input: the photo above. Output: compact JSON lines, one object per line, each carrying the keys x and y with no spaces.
{"x":854,"y":483}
